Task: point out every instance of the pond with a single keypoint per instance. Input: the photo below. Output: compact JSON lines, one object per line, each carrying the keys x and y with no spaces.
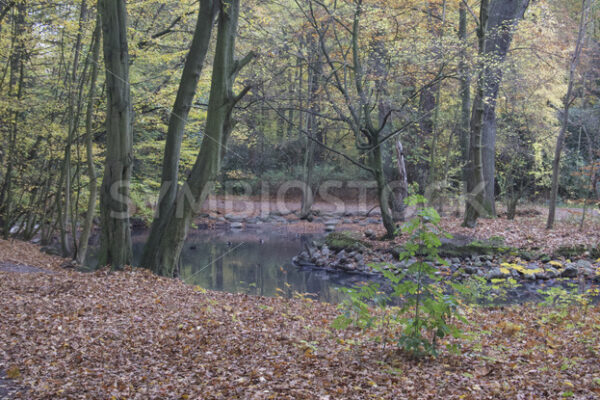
{"x":259,"y":262}
{"x":256,"y":262}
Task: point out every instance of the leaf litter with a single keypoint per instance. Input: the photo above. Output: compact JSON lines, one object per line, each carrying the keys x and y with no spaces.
{"x":133,"y":335}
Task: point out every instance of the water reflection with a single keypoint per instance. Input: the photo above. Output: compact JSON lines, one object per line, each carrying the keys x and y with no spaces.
{"x":254,"y":262}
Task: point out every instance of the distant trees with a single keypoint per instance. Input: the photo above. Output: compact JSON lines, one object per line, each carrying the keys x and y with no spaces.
{"x":387,"y":92}
{"x":353,"y":95}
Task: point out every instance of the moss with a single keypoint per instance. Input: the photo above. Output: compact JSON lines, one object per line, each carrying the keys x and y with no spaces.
{"x":570,"y":251}
{"x":528,"y":255}
{"x":345,"y":241}
{"x":476,"y":247}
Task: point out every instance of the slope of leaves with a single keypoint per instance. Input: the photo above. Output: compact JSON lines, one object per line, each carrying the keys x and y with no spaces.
{"x":134,"y":335}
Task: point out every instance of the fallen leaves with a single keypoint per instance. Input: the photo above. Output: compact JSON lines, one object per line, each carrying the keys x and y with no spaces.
{"x":137,"y":336}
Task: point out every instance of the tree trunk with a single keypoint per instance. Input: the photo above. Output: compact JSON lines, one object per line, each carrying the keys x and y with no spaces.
{"x":72,"y":128}
{"x":503,"y":18}
{"x":114,"y":195}
{"x":465,"y":91}
{"x":403,"y":186}
{"x":565,"y":120}
{"x":383,"y":191}
{"x":475,"y":184}
{"x":17,"y":76}
{"x":312,"y":129}
{"x":163,"y":250}
{"x":93,"y":185}
{"x":177,"y":121}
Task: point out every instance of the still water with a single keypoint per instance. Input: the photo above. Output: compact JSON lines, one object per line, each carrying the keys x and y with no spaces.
{"x":256,"y":262}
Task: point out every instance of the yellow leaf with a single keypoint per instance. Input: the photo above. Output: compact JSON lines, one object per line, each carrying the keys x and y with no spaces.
{"x":505,"y":271}
{"x":569,"y":384}
{"x":13,"y":372}
{"x":556,"y":263}
{"x":199,"y":289}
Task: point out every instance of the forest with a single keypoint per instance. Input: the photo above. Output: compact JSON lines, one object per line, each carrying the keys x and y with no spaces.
{"x":299,"y":199}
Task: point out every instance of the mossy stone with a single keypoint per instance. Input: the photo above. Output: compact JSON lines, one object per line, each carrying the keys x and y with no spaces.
{"x":339,"y":241}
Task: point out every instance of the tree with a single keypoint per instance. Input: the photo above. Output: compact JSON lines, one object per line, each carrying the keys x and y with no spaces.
{"x":86,"y":229}
{"x":162,"y":253}
{"x":497,"y":21}
{"x":177,"y":121}
{"x":114,"y":195}
{"x":503,"y":18}
{"x":568,"y":99}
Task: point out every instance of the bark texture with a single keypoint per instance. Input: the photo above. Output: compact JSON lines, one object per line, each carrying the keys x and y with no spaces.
{"x":114,"y":195}
{"x":163,"y":250}
{"x":503,"y":18}
{"x":177,"y":121}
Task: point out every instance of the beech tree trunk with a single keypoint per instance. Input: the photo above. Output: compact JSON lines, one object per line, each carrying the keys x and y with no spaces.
{"x":475,"y":181}
{"x":177,"y":121}
{"x":163,"y":250}
{"x":503,"y":18}
{"x":114,"y":195}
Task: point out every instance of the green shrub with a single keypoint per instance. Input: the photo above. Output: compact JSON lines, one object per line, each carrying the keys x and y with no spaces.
{"x":428,"y":303}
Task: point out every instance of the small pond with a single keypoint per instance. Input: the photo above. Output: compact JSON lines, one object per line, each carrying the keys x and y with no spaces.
{"x":256,"y":262}
{"x":259,"y":262}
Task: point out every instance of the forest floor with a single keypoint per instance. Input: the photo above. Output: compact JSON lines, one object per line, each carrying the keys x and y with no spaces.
{"x":130,"y":334}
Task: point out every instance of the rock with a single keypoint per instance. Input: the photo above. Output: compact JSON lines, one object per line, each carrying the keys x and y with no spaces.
{"x":50,"y":250}
{"x":515,"y":274}
{"x":584,"y":264}
{"x":337,"y":241}
{"x":369,"y":234}
{"x":462,"y":246}
{"x":552,"y":273}
{"x":234,"y":218}
{"x":470,"y":270}
{"x":329,"y":228}
{"x":341,"y":256}
{"x":455,"y":260}
{"x":236,"y":225}
{"x":325,"y":251}
{"x":570,"y":271}
{"x":495,"y":273}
